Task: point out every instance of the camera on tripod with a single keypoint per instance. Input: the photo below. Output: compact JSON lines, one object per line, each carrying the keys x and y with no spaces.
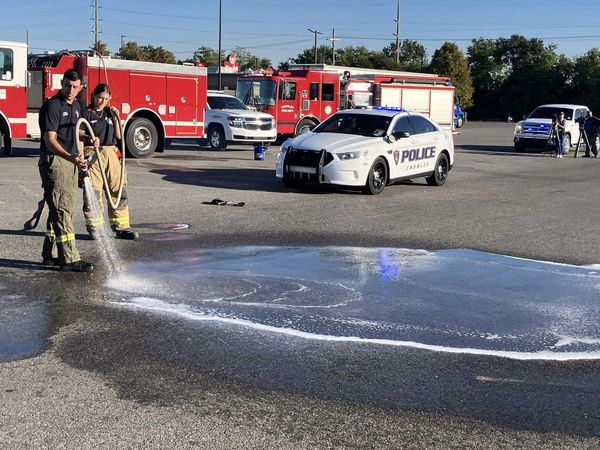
{"x":554,"y":119}
{"x":580,"y":121}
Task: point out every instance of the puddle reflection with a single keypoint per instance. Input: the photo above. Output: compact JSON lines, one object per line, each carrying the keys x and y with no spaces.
{"x":452,"y":300}
{"x":23,"y":327}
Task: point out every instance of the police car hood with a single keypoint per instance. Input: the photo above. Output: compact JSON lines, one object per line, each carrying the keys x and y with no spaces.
{"x":332,"y":142}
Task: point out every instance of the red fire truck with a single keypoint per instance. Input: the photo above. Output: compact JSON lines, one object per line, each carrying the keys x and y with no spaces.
{"x":156,"y":101}
{"x":306,"y":94}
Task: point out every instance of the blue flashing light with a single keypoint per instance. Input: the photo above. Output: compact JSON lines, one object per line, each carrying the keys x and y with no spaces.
{"x":389,"y":108}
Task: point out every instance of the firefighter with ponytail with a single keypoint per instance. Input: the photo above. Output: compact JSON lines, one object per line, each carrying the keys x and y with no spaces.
{"x":106,"y":158}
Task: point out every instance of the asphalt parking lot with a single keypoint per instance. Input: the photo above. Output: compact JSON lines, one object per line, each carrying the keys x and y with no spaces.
{"x":112,"y":377}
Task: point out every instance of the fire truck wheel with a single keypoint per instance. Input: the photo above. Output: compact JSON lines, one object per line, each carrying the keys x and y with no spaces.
{"x":141,"y":138}
{"x":5,"y":144}
{"x":378,"y":177}
{"x":440,"y":175}
{"x":216,"y":138}
{"x":305,"y":126}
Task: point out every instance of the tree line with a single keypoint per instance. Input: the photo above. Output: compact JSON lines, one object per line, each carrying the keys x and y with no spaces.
{"x":495,"y":78}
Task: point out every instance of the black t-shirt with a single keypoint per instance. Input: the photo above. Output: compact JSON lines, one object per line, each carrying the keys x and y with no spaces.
{"x":102,"y":124}
{"x":57,"y":115}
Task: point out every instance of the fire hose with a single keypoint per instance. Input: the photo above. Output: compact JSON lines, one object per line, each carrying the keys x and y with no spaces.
{"x":32,"y":223}
{"x":87,"y":125}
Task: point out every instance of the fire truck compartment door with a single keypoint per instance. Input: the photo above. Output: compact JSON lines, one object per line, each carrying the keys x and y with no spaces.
{"x":182,"y":105}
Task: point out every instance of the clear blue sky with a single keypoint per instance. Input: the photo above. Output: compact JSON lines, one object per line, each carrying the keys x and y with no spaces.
{"x":277,"y":29}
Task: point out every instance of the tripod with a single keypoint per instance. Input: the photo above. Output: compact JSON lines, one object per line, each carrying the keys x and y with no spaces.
{"x":583,"y":134}
{"x":552,"y":141}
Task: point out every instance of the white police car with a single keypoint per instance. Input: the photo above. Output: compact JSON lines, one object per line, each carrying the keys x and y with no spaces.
{"x":369,"y":148}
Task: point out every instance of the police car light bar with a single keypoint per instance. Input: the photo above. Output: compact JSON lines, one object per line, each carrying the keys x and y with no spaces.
{"x":389,"y":108}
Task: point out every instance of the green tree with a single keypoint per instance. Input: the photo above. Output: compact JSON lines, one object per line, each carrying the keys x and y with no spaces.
{"x":324,"y":55}
{"x":487,"y":75}
{"x":413,"y":56}
{"x":535,"y":74}
{"x":132,"y":51}
{"x":248,"y":60}
{"x":449,"y":61}
{"x":101,"y":48}
{"x":586,"y":79}
{"x":207,"y":56}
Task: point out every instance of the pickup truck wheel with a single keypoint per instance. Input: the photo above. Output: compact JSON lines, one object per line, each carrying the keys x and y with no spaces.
{"x":216,"y":138}
{"x":377,"y":178}
{"x":141,"y":138}
{"x":459,"y":122}
{"x":567,"y":143}
{"x":440,"y":175}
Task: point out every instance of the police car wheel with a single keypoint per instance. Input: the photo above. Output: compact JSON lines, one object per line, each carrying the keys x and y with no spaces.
{"x":459,"y":122}
{"x":377,"y":178}
{"x":519,"y":148}
{"x":292,"y":182}
{"x":440,"y":175}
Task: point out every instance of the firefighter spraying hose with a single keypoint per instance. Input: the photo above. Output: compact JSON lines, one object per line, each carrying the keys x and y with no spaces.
{"x":90,"y":159}
{"x":109,"y":174}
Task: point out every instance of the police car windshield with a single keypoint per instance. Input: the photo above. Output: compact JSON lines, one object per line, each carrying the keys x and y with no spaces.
{"x":360,"y":124}
{"x":548,"y":112}
{"x":218,"y":102}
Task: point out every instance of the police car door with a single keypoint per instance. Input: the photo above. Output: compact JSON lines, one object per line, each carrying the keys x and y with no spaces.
{"x":398,"y":155}
{"x":420,"y":159}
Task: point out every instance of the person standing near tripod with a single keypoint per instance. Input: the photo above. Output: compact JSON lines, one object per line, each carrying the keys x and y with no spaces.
{"x":590,"y":127}
{"x":560,"y":133}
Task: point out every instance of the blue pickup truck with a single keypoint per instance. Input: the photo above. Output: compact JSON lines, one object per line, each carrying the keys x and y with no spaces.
{"x":460,"y":116}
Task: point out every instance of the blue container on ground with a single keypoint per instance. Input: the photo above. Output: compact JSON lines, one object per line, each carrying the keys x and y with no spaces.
{"x":259,"y":152}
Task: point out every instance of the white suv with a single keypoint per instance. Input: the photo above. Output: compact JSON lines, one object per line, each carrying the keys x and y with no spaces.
{"x":228,"y":120}
{"x":534,"y":131}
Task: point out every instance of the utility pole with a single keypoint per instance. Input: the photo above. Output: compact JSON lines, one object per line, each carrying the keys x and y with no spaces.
{"x":219,"y":56}
{"x":397,"y":20}
{"x":315,"y":33}
{"x":122,"y":36}
{"x":96,"y":21}
{"x":333,"y":39}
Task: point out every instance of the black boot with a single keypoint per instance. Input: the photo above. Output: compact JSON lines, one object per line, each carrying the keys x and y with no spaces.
{"x":77,"y":266}
{"x":126,"y":234}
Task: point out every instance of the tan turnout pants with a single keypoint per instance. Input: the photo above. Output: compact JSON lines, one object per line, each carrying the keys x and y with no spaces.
{"x":59,"y":180}
{"x":119,"y":216}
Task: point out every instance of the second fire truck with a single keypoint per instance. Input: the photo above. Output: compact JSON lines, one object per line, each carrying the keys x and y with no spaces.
{"x":306,"y":94}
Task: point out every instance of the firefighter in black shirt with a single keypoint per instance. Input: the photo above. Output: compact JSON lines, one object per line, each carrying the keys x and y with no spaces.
{"x":101,"y":120}
{"x":59,"y":164}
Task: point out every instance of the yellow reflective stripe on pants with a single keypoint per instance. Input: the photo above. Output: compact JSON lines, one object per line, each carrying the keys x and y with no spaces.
{"x":65,"y":238}
{"x":94,"y":222}
{"x":120,"y":222}
{"x":50,"y":234}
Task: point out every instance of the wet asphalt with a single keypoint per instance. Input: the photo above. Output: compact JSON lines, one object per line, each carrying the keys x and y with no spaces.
{"x":79,"y":371}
